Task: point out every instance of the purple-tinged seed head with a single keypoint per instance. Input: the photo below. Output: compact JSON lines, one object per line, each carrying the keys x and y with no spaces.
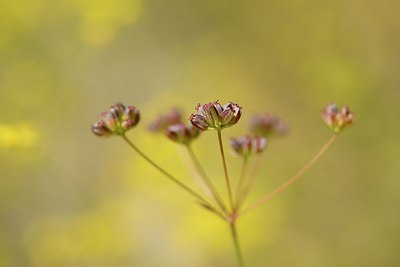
{"x":267,"y":125}
{"x":182,"y":134}
{"x":337,"y":119}
{"x":247,"y":145}
{"x":162,"y":122}
{"x":215,"y":116}
{"x":116,"y":121}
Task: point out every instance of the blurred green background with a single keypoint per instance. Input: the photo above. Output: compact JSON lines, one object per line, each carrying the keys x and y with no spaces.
{"x":68,"y":198}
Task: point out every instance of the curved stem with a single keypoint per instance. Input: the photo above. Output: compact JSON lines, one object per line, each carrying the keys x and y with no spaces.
{"x":236,"y":244}
{"x":202,"y":201}
{"x":228,"y":184}
{"x":205,"y":178}
{"x":240,"y":189}
{"x":292,"y":179}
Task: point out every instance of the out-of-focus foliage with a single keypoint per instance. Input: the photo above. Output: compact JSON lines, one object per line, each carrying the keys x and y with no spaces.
{"x":68,"y":198}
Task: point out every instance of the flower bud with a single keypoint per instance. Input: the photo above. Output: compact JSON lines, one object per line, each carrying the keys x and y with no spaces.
{"x":246,"y":145}
{"x":163,"y":122}
{"x":213,"y":115}
{"x":336,"y":119}
{"x":182,"y":134}
{"x":267,"y":125}
{"x":116,"y":121}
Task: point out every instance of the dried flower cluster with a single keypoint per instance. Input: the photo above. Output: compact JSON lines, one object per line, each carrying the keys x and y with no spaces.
{"x":215,"y":116}
{"x":336,"y":119}
{"x":181,"y":133}
{"x":119,"y":119}
{"x":116,"y":121}
{"x":268,"y":125}
{"x":246,"y":145}
{"x":161,"y":123}
{"x":172,"y":126}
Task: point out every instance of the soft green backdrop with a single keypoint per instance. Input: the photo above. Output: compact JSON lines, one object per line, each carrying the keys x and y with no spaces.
{"x":68,"y":198}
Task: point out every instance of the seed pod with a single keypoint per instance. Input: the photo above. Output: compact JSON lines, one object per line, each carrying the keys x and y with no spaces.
{"x":100,"y":129}
{"x":130,"y":118}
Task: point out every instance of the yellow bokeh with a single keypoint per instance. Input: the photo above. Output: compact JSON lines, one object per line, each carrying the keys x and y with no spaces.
{"x":99,"y":236}
{"x":18,"y":135}
{"x":101,"y":20}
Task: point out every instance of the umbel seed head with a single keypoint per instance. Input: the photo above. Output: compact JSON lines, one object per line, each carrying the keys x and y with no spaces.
{"x":116,"y":121}
{"x":182,"y":134}
{"x":215,"y":116}
{"x":246,"y":145}
{"x":267,"y":125}
{"x":337,"y":119}
{"x":162,"y":122}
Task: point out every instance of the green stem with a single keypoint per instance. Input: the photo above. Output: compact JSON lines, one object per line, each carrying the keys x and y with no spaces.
{"x":292,"y":179}
{"x":228,"y":184}
{"x":236,"y":244}
{"x":250,"y":182}
{"x":205,"y":178}
{"x":240,"y":189}
{"x":202,"y":201}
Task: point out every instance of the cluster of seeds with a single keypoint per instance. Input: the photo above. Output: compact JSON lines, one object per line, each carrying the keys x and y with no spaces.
{"x":116,"y":121}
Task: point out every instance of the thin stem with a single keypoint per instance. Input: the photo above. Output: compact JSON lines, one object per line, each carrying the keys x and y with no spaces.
{"x":236,"y":244}
{"x":250,"y":182}
{"x":240,"y":189}
{"x":185,"y":157}
{"x":292,"y":179}
{"x":205,"y":178}
{"x":228,"y":184}
{"x":202,"y":201}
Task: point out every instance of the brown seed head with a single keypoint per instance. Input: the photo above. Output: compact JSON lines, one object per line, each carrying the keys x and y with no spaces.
{"x":247,"y":145}
{"x":268,"y":125}
{"x":116,"y":121}
{"x":161,"y":123}
{"x":215,"y":116}
{"x":336,"y":119}
{"x":182,"y":134}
